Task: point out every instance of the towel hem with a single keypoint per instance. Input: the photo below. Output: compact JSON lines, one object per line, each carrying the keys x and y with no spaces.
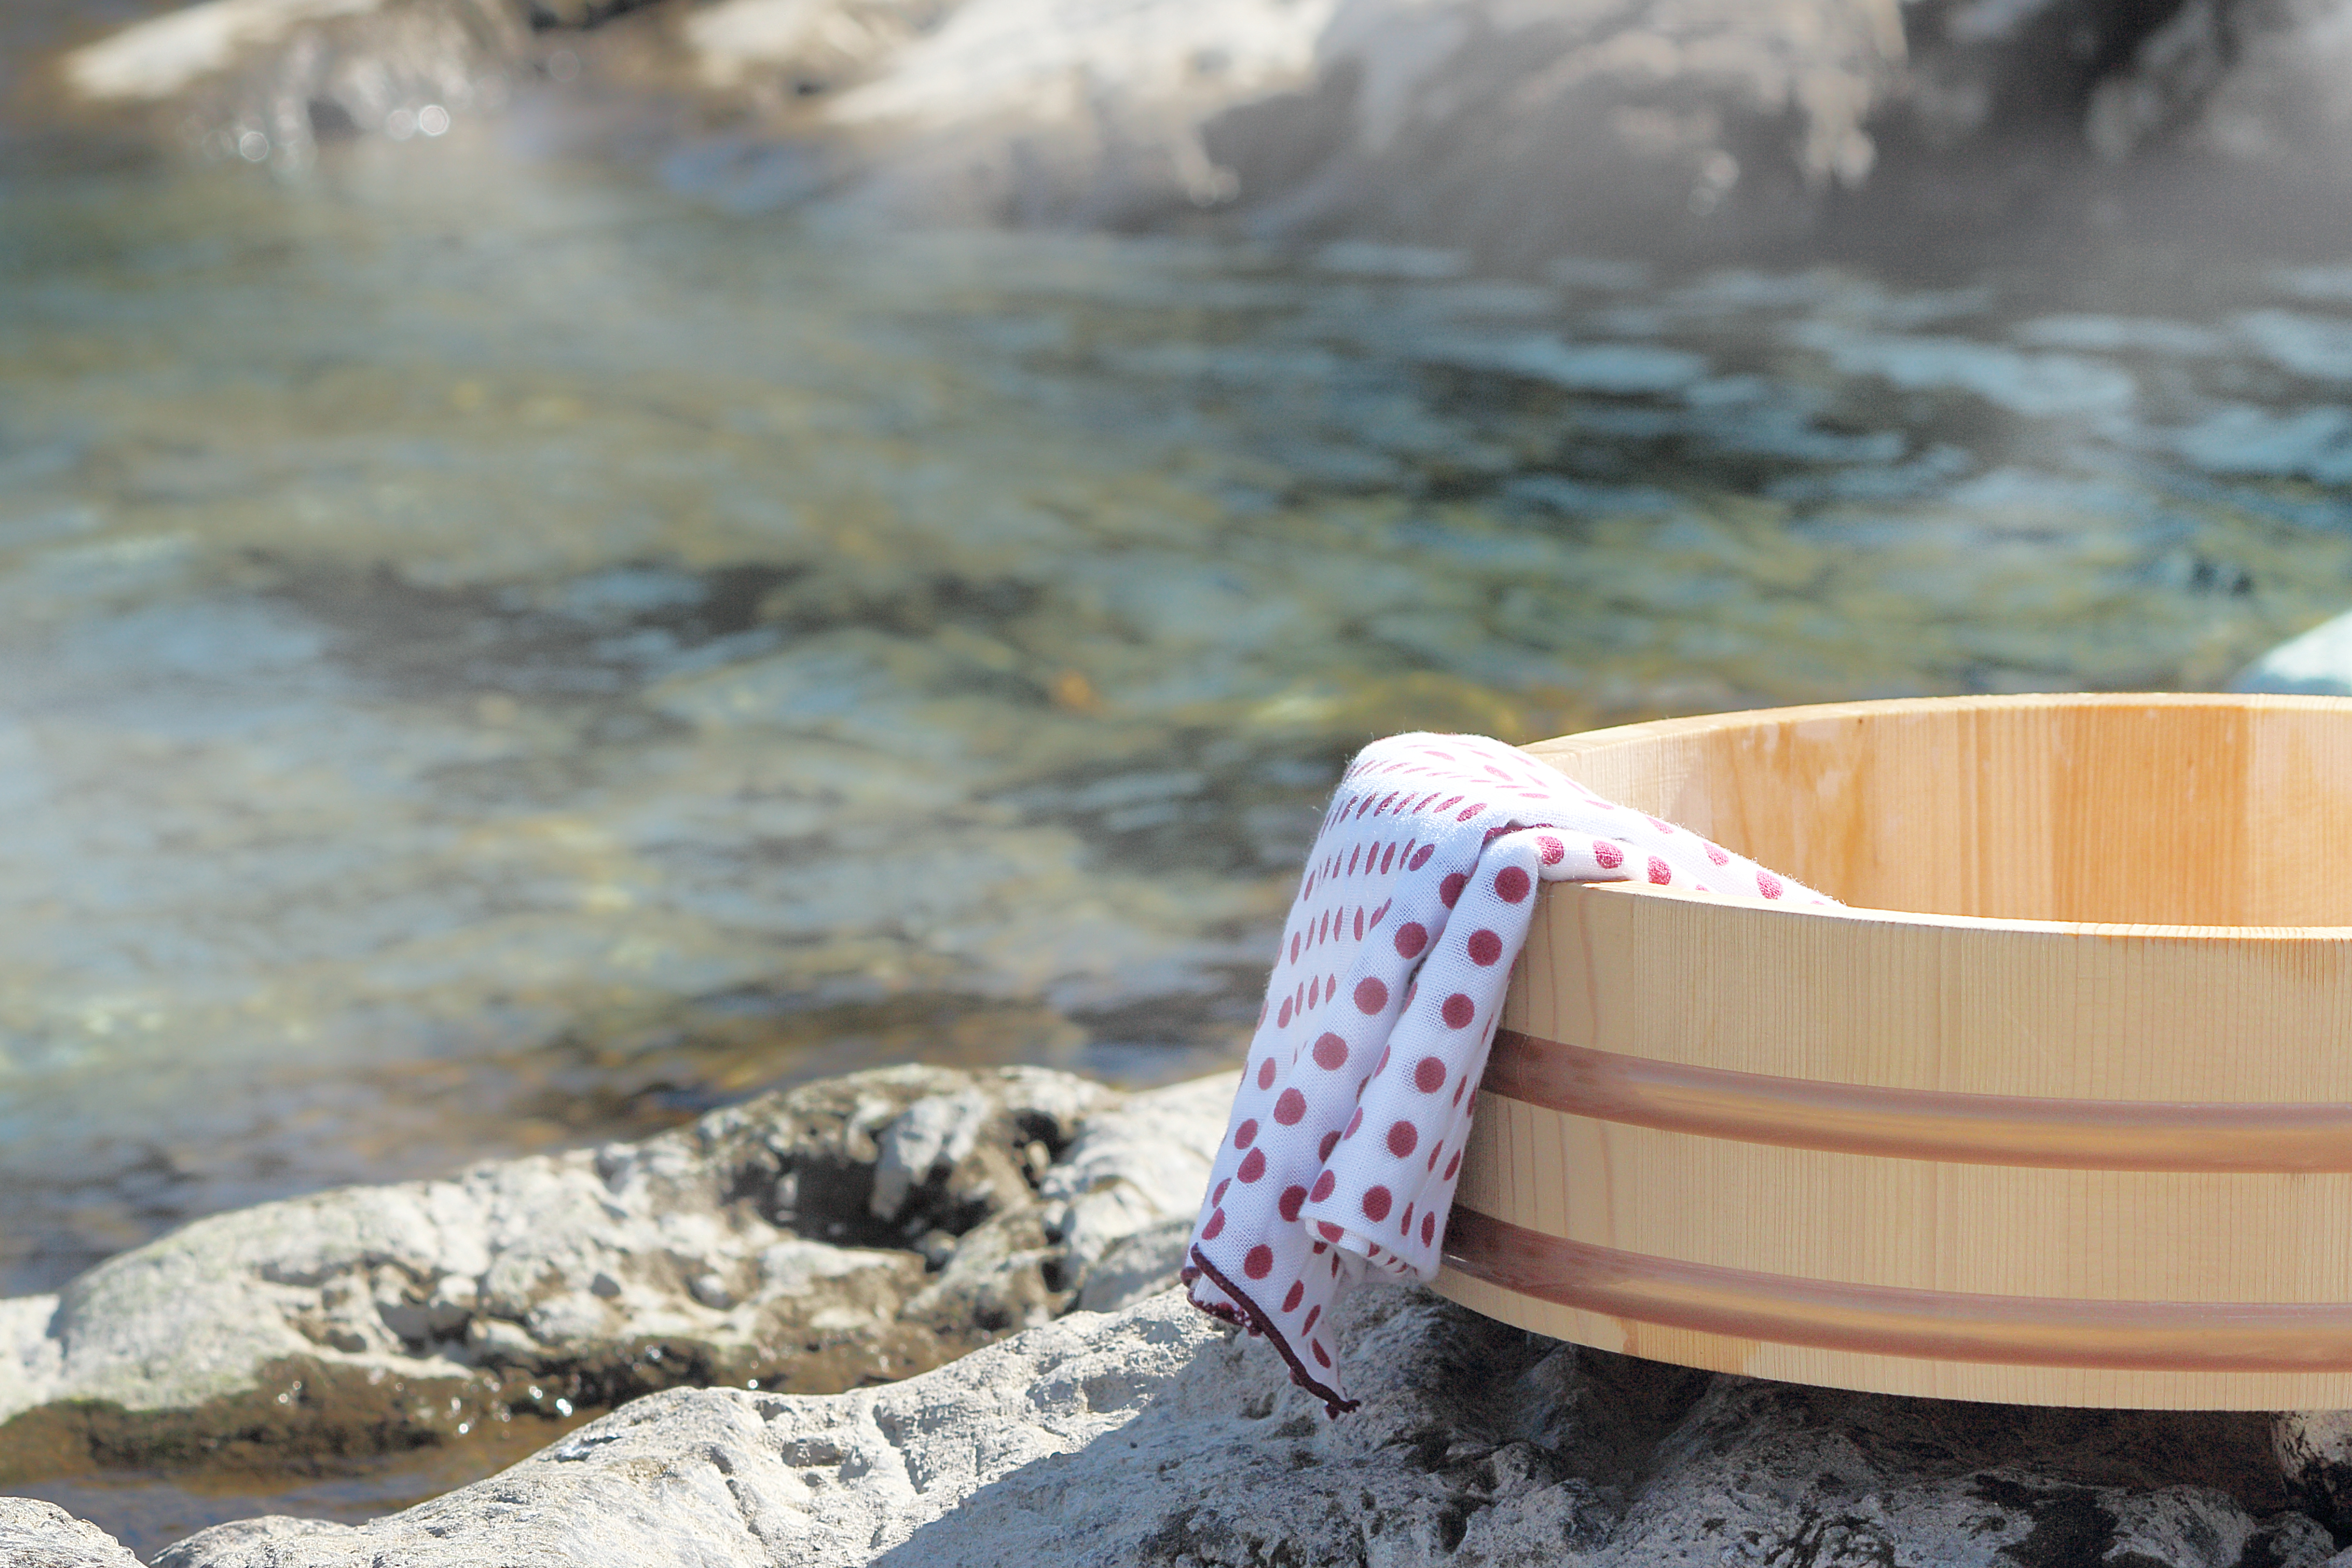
{"x":1258,"y":1321}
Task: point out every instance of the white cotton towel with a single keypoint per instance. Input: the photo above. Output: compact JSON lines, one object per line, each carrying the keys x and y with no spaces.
{"x":1347,"y":1134}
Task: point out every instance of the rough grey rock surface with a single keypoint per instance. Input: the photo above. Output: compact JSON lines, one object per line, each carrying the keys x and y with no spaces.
{"x":856,"y":1229}
{"x":1156,"y":1437}
{"x":2315,"y":1454}
{"x":42,"y":1535}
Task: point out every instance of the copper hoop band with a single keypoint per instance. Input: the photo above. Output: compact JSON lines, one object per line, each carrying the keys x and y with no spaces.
{"x":1877,"y":1319}
{"x":1916,"y":1125}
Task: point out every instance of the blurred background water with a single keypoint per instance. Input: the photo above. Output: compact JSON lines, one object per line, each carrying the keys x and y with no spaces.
{"x":496,"y":653}
{"x":500,"y":649}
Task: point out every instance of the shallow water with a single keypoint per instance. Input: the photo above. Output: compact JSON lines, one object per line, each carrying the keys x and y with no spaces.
{"x":149,"y":1510}
{"x":496,"y":654}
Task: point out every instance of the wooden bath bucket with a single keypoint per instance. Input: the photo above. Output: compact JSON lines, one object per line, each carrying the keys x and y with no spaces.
{"x":2059,"y":1112}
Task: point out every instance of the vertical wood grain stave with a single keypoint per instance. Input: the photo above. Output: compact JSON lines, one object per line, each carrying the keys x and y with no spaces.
{"x":2098,"y":898}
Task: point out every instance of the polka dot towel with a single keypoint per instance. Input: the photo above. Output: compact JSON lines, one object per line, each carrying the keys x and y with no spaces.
{"x":1347,"y":1134}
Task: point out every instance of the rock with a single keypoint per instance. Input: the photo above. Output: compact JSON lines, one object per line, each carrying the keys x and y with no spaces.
{"x":2277,"y":80}
{"x":1137,"y":1266}
{"x":1508,"y":129}
{"x":2315,"y":1451}
{"x":265,"y":80}
{"x":1155,"y":1436}
{"x":856,"y":1229}
{"x":2318,"y":663}
{"x":42,"y":1535}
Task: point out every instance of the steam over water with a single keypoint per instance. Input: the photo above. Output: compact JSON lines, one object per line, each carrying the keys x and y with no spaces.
{"x":495,"y":655}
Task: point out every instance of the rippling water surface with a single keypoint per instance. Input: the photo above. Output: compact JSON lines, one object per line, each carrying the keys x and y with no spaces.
{"x":494,"y":654}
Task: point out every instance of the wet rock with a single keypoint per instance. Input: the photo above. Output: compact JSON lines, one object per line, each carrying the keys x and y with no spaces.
{"x":42,"y":1535}
{"x":854,"y":1230}
{"x":1156,"y":1437}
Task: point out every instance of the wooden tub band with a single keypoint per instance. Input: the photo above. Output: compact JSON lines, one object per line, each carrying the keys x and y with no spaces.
{"x":1917,"y":1125}
{"x":1877,"y":1319}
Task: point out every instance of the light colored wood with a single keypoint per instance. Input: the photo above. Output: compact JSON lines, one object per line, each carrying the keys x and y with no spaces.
{"x":1999,"y":1230}
{"x":1919,"y":1123}
{"x":2196,"y":810}
{"x":2119,"y":1389}
{"x":1951,"y":1002}
{"x":2084,"y":898}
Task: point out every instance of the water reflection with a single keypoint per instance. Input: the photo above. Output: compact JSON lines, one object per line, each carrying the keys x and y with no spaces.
{"x":496,"y":656}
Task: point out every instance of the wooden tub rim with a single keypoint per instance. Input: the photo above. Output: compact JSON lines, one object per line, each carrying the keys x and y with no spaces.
{"x":1551,"y":753}
{"x":1859,"y":1154}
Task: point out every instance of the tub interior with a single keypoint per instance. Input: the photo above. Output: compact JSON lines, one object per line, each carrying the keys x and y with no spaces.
{"x":2198,"y":812}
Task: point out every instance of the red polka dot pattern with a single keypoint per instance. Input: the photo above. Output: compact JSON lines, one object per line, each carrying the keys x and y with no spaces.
{"x":1412,"y":907}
